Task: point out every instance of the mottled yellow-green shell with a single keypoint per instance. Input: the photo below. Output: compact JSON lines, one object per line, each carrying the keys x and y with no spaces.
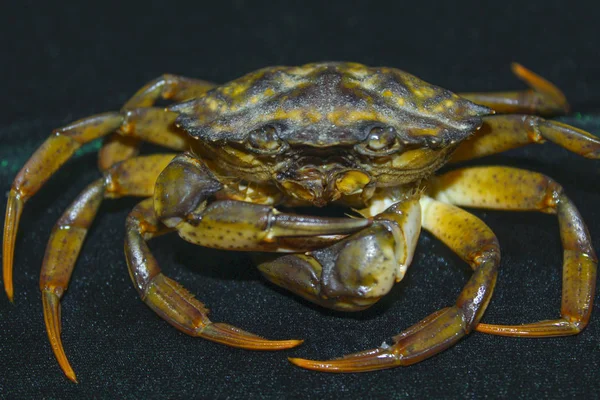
{"x":327,"y":104}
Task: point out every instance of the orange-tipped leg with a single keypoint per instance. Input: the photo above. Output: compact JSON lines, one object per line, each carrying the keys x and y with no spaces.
{"x":543,"y":98}
{"x":504,"y":132}
{"x":51,"y":303}
{"x":169,"y":299}
{"x":475,"y":243}
{"x":132,"y":177}
{"x":117,"y":147}
{"x":55,"y":151}
{"x":61,"y":254}
{"x":516,"y":189}
{"x":11,"y":225}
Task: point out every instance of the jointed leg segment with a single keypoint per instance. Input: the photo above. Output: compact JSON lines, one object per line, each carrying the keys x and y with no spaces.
{"x":473,"y":241}
{"x":131,"y":125}
{"x":543,"y":98}
{"x":515,"y":189}
{"x":169,"y":299}
{"x":133,"y":177}
{"x":504,"y":132}
{"x":117,"y":148}
{"x":261,"y":225}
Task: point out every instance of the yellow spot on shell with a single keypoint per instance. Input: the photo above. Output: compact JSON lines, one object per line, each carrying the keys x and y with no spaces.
{"x":345,"y":116}
{"x":212,"y":104}
{"x":386,"y":93}
{"x":427,"y":92}
{"x":448,"y":103}
{"x":425,"y":132}
{"x":293,"y":115}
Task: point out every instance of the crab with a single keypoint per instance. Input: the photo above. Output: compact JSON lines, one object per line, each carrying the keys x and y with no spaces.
{"x":369,"y":139}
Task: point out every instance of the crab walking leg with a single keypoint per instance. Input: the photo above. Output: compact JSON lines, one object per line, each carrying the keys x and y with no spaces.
{"x":150,"y":124}
{"x":516,"y":189}
{"x":543,"y":98}
{"x":117,"y":148}
{"x":504,"y":132}
{"x":55,"y":151}
{"x":475,"y":243}
{"x":169,"y":299}
{"x":133,"y":177}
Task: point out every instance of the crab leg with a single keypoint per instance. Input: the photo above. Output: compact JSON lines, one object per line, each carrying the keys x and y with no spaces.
{"x":543,"y":98}
{"x":516,"y":189}
{"x":504,"y":132}
{"x":133,"y":177}
{"x":57,"y":149}
{"x":169,"y":299}
{"x":149,"y":124}
{"x":475,"y":243}
{"x":117,"y":148}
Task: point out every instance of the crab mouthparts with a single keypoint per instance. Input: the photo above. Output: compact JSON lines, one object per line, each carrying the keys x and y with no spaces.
{"x":320,"y":186}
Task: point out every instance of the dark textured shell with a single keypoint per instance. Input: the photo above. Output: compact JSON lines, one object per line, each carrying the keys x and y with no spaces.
{"x":326,"y":104}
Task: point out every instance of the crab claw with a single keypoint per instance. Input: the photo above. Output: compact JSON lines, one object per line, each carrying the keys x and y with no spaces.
{"x":236,"y":225}
{"x":286,"y":225}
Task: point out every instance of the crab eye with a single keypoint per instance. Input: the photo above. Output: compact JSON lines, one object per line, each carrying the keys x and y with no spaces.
{"x":265,"y":140}
{"x":381,"y":138}
{"x":381,"y":141}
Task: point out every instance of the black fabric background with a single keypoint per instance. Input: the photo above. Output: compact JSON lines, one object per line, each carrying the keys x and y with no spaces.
{"x":69,"y":60}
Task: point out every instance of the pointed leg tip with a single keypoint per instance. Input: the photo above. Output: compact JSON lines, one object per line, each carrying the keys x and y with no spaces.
{"x":301,"y":362}
{"x":70,"y":374}
{"x":7,"y":276}
{"x":51,"y":304}
{"x":235,"y":337}
{"x":517,"y":68}
{"x":315,"y":365}
{"x":292,"y":342}
{"x":10,"y":293}
{"x":14,"y":209}
{"x":364,"y":361}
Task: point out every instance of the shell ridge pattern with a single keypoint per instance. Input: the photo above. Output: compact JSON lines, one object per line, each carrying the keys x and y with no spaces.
{"x":325,"y":102}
